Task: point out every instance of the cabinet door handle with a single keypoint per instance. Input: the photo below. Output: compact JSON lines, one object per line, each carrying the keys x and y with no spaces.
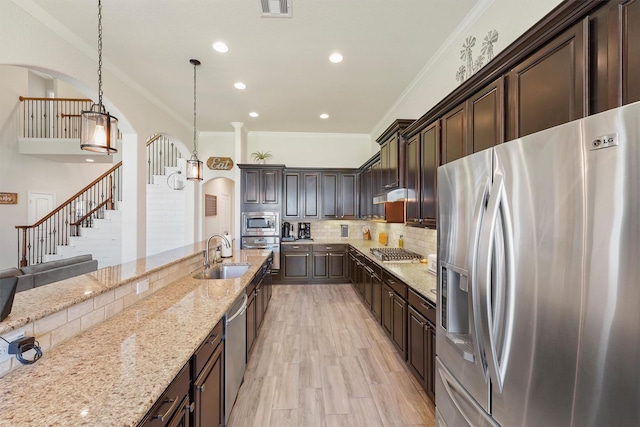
{"x":390,"y":281}
{"x":425,"y":305}
{"x":192,"y":406}
{"x":296,"y":247}
{"x":212,"y":339}
{"x":201,"y":388}
{"x":174,"y":402}
{"x":391,"y":294}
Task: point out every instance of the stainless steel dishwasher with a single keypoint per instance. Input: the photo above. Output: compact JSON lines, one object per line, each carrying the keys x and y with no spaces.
{"x":235,"y":351}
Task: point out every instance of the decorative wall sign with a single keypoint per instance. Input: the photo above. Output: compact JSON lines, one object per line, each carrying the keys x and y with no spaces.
{"x":220,"y":163}
{"x":210,"y":205}
{"x":8,"y":198}
{"x":466,"y":54}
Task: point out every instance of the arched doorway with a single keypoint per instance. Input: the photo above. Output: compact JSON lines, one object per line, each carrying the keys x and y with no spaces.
{"x":223,"y":219}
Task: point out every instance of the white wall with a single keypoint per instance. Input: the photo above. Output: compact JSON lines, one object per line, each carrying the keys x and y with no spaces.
{"x":21,"y":173}
{"x":311,"y":149}
{"x":33,"y":41}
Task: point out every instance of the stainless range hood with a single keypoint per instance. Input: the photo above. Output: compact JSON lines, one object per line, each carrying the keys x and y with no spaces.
{"x":395,"y":195}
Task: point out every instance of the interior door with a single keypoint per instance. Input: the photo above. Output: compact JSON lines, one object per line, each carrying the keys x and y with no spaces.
{"x":40,"y":204}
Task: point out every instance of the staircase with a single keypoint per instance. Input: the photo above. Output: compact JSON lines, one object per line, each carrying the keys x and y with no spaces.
{"x":90,"y":222}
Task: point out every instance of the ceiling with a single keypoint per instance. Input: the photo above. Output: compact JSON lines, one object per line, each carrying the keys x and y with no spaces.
{"x":283,"y":61}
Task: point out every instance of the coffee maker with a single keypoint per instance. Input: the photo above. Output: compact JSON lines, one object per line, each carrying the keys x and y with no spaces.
{"x":304,"y":230}
{"x":287,"y":232}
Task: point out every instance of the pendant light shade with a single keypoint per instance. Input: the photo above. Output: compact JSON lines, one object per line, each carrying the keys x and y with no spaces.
{"x":98,"y":128}
{"x":194,"y":168}
{"x":194,"y":165}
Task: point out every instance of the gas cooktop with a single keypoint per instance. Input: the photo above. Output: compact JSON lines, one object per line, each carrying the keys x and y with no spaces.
{"x":395,"y":255}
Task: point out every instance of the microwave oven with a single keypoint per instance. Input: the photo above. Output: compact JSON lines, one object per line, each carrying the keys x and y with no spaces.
{"x":260,"y":223}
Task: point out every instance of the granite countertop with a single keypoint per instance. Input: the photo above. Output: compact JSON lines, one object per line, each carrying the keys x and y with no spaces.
{"x":414,"y":274}
{"x":112,"y":373}
{"x":28,"y":306}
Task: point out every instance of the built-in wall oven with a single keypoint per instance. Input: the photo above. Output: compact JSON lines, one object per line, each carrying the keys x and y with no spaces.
{"x":260,"y":224}
{"x":271,"y":243}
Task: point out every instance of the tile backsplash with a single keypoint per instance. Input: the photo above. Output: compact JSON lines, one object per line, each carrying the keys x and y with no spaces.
{"x":420,"y":240}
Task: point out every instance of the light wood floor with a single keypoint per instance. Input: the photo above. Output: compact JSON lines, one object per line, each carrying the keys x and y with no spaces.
{"x":321,"y":359}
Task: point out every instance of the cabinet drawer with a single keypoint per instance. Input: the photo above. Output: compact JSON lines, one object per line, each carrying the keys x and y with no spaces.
{"x":167,"y":405}
{"x":329,"y":248}
{"x":422,"y":306}
{"x":399,"y":287}
{"x":371,"y":265}
{"x":206,"y":349}
{"x":296,"y":248}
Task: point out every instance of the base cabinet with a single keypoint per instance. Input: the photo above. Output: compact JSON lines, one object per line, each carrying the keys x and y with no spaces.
{"x":208,"y":392}
{"x":421,"y":342}
{"x":314,"y":263}
{"x":394,"y":315}
{"x":295,"y":264}
{"x":173,"y":407}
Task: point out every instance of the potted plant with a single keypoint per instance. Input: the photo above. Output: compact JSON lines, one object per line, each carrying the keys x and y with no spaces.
{"x":261,"y":156}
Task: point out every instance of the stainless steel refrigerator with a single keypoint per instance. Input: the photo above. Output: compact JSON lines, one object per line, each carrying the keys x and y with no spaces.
{"x":539,"y":279}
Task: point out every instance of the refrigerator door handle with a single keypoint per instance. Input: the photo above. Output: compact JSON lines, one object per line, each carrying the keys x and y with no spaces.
{"x":474,"y":248}
{"x":462,"y":402}
{"x":496,"y":290}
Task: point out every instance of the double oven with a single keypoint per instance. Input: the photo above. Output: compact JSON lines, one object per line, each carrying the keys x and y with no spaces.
{"x":261,"y":230}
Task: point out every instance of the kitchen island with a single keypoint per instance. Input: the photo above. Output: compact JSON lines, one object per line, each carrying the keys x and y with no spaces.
{"x":113,"y":372}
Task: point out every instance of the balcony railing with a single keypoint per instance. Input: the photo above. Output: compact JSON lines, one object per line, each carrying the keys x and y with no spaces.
{"x":51,"y":117}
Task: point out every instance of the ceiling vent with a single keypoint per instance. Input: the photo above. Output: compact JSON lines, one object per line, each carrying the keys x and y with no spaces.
{"x":276,"y":8}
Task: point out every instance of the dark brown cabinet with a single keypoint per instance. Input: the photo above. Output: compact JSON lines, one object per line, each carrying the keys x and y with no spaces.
{"x":421,"y":342}
{"x":339,"y":195}
{"x":394,"y":311}
{"x":454,"y":134}
{"x":261,"y":187}
{"x":630,"y":46}
{"x":422,"y":161}
{"x":295,"y":263}
{"x":251,"y":317}
{"x":485,"y":114}
{"x":392,"y":156}
{"x":302,"y":195}
{"x":172,"y":409}
{"x":549,"y":88}
{"x":318,"y":263}
{"x":207,"y":387}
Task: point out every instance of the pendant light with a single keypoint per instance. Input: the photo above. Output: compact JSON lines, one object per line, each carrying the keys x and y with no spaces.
{"x":98,"y":128}
{"x":194,"y":165}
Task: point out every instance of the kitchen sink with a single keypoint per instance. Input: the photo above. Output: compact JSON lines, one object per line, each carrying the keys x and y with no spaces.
{"x":225,"y":271}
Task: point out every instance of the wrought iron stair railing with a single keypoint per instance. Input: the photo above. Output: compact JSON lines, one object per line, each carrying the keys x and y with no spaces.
{"x":80,"y":210}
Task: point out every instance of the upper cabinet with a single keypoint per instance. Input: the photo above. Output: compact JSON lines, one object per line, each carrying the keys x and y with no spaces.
{"x":550,"y":87}
{"x":320,"y":194}
{"x":485,"y":117}
{"x":339,"y":195}
{"x":422,"y":161}
{"x":301,"y":193}
{"x":454,"y":134}
{"x":630,"y":47}
{"x":261,"y":187}
{"x":392,"y":156}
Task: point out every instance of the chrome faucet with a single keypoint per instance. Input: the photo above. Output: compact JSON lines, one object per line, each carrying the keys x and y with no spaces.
{"x":225,"y":242}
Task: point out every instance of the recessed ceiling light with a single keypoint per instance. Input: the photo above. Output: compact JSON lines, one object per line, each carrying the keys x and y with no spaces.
{"x":221,"y":47}
{"x":335,"y":58}
{"x":89,"y":160}
{"x":324,"y":116}
{"x":239,"y":85}
{"x":254,"y":114}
